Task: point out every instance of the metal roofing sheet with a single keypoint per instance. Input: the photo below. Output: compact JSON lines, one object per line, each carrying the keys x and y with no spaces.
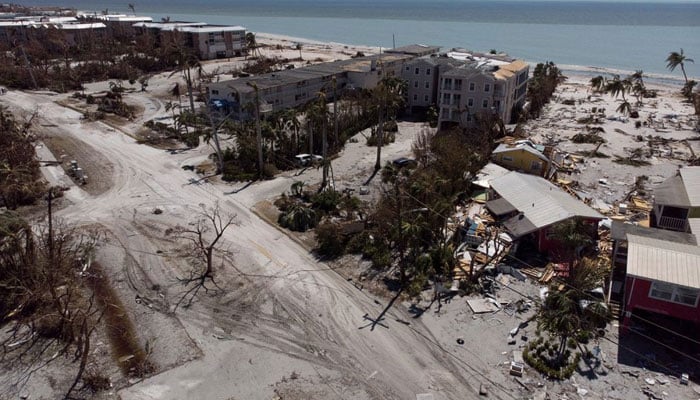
{"x":541,"y":202}
{"x":663,"y":261}
{"x":619,"y":231}
{"x":505,"y":148}
{"x":691,"y":183}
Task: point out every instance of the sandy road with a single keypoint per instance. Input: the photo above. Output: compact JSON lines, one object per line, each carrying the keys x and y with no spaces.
{"x":283,"y":312}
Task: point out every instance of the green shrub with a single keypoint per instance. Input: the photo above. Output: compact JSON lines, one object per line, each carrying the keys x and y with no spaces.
{"x":327,"y":200}
{"x":298,"y":218}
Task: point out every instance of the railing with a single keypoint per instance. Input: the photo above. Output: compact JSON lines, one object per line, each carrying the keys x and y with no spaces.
{"x":676,"y":224}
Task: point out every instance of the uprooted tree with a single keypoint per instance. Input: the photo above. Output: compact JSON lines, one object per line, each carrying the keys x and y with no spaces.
{"x":203,"y":237}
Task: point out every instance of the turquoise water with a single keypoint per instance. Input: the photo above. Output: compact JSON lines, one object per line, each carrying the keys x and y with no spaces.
{"x":622,"y":35}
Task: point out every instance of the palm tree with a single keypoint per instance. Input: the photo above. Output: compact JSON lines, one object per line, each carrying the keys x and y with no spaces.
{"x":388,"y":97}
{"x":132,"y":8}
{"x":251,"y":43}
{"x":598,"y":83}
{"x":299,"y":46}
{"x":625,"y":108}
{"x":187,"y":62}
{"x":676,"y":59}
{"x":616,"y":86}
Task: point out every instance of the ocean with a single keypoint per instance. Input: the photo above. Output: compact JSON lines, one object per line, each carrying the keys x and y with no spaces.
{"x":620,"y":35}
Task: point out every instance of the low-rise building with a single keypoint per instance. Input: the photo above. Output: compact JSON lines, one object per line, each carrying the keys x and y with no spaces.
{"x":285,"y":89}
{"x":662,"y":282}
{"x":530,"y":207}
{"x":522,"y":156}
{"x":677,"y":202}
{"x":206,"y":41}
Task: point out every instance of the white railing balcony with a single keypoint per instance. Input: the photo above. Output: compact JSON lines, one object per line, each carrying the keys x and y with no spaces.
{"x":675,"y":224}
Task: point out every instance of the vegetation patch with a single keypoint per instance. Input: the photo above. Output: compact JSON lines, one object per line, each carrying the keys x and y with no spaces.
{"x":544,"y":358}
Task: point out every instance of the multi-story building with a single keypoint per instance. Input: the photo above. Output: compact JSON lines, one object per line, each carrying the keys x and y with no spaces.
{"x":422,"y":77}
{"x":462,"y":85}
{"x":285,"y":89}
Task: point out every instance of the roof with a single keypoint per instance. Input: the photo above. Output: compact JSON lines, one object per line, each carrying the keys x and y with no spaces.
{"x":205,"y":29}
{"x":619,"y":231}
{"x":691,"y":183}
{"x":277,"y":78}
{"x":539,"y":201}
{"x":694,"y":224}
{"x":415,"y":49}
{"x":94,"y":25}
{"x":489,"y":172}
{"x":500,"y":206}
{"x":506,"y":148}
{"x":682,"y":190}
{"x":663,"y":261}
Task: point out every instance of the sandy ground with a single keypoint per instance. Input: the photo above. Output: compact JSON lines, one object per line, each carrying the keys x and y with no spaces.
{"x":285,"y":326}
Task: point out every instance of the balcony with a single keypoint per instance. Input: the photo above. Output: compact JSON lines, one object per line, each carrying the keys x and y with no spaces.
{"x":674,"y":224}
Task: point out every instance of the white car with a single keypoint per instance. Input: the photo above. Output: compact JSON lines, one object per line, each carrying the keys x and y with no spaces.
{"x":307,"y":159}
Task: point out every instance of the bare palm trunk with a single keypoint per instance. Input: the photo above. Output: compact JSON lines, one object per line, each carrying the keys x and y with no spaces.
{"x":380,"y":139}
{"x":324,"y":153}
{"x":684,"y":75}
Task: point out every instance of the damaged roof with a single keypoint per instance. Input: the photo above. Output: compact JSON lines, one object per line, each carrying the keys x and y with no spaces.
{"x":539,"y":202}
{"x":500,"y":207}
{"x":663,"y":261}
{"x":682,"y":190}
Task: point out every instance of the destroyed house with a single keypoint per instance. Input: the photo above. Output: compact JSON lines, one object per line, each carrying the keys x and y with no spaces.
{"x":662,"y":283}
{"x":677,"y":202}
{"x":529,"y":207}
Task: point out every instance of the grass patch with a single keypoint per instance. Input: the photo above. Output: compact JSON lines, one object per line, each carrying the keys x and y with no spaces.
{"x":121,"y":332}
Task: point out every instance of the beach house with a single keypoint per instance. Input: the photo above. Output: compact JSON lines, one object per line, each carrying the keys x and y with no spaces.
{"x":677,"y":202}
{"x":530,"y":207}
{"x":662,"y":283}
{"x":522,"y":156}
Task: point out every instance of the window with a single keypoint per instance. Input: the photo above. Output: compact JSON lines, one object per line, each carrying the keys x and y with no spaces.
{"x":415,"y":84}
{"x":485,"y":103}
{"x":470,"y":103}
{"x":469,"y":117}
{"x":415,"y":97}
{"x":487,"y":87}
{"x":472,"y":86}
{"x":214,"y":91}
{"x":425,"y":98}
{"x":507,"y":158}
{"x":408,"y":68}
{"x":456,"y":99}
{"x":427,"y":71}
{"x":427,"y":85}
{"x":417,"y":71}
{"x":445,"y":98}
{"x":673,"y":293}
{"x":458,"y":84}
{"x":536,"y":166}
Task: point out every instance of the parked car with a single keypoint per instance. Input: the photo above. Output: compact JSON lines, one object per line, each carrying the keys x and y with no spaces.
{"x":307,"y":159}
{"x":404,"y":162}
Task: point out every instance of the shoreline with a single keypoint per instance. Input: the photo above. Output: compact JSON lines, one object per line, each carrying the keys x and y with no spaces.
{"x":574,"y":73}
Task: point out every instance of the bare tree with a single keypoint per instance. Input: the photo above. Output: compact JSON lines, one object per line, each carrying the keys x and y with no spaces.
{"x":203,"y":236}
{"x":48,"y":308}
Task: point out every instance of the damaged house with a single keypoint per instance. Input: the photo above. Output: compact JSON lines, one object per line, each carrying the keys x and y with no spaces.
{"x":529,"y":207}
{"x":523,"y":156}
{"x":677,"y":202}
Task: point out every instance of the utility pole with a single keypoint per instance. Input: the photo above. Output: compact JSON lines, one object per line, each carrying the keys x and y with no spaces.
{"x":402,"y":246}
